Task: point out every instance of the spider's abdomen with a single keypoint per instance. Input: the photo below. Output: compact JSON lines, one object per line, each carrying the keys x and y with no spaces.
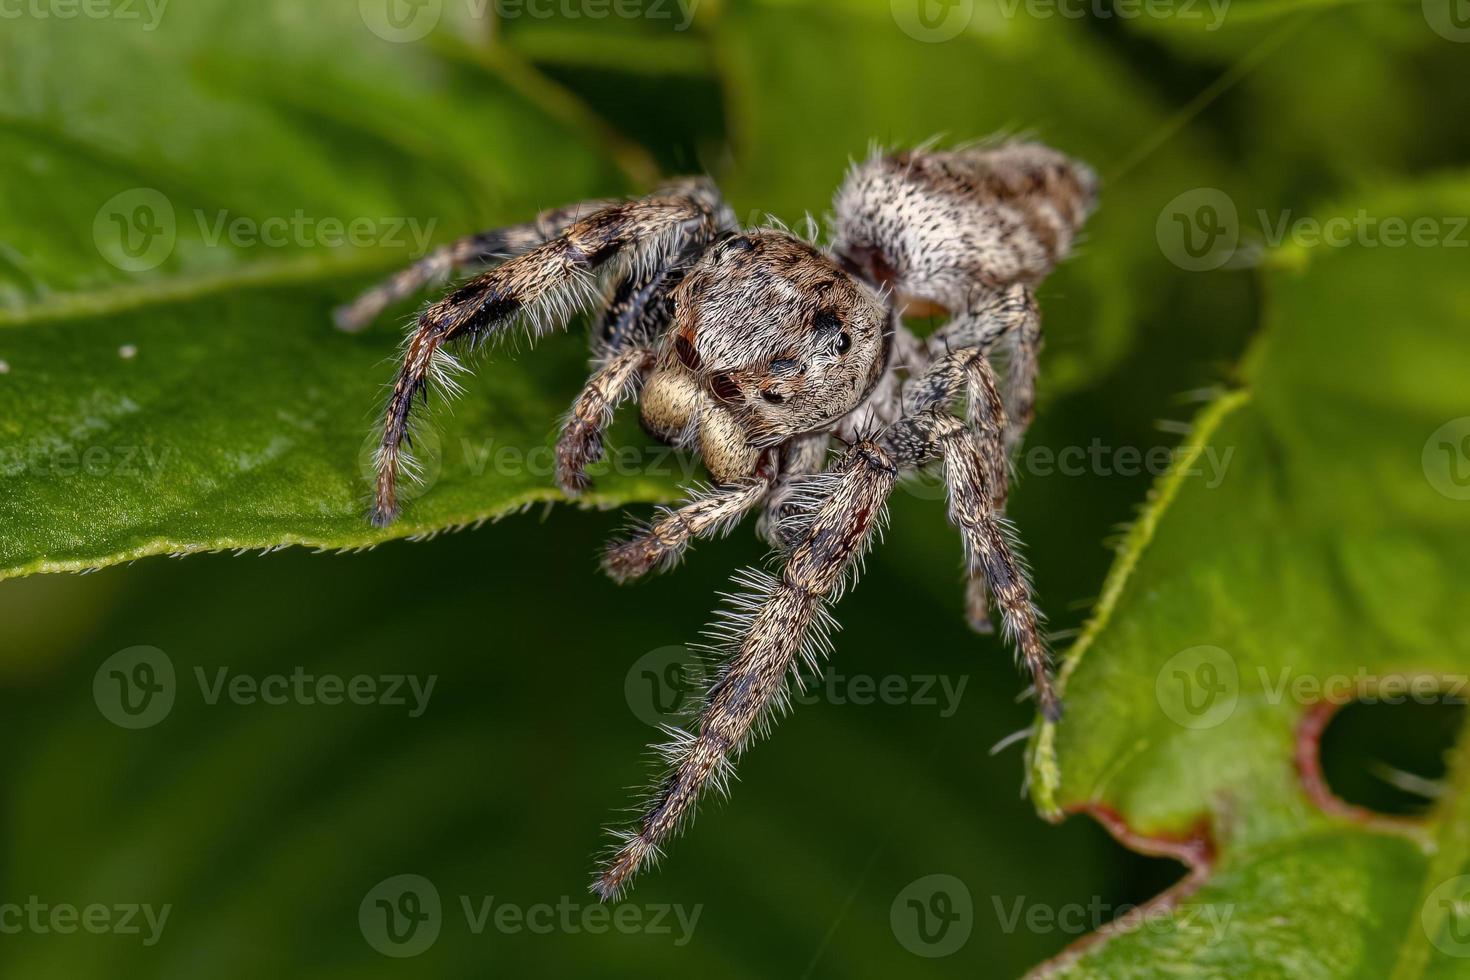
{"x":935,"y":224}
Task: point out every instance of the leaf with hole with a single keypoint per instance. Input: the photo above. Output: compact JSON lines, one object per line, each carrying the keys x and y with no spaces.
{"x":1308,"y":550}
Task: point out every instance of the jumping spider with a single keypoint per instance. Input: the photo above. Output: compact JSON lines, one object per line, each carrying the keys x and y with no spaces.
{"x":759,"y":350}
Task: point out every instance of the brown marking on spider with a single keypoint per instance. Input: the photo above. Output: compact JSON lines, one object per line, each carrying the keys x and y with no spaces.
{"x":759,"y":349}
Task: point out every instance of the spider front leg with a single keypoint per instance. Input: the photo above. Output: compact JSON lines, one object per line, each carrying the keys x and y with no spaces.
{"x":766,"y":628}
{"x":545,"y":286}
{"x":1024,"y":345}
{"x":919,"y":438}
{"x":580,"y":444}
{"x":715,"y":511}
{"x":460,"y":256}
{"x":968,"y":371}
{"x":709,"y":512}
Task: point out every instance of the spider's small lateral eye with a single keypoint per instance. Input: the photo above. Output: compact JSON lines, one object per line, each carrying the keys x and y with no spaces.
{"x":825,"y":322}
{"x":740,"y":244}
{"x":844,"y":343}
{"x":775,"y":398}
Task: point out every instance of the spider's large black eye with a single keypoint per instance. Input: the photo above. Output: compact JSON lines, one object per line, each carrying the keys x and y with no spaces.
{"x":844,"y":343}
{"x":825,"y":322}
{"x":775,"y":398}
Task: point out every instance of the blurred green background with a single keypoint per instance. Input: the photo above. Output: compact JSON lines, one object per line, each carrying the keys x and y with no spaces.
{"x":264,"y":827}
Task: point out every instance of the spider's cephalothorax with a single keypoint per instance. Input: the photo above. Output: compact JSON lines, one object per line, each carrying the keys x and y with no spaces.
{"x":760,"y":350}
{"x":769,"y":339}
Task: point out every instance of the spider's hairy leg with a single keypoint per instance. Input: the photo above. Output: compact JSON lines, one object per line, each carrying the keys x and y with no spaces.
{"x":1025,"y":346}
{"x":970,"y":371}
{"x":457,"y":257}
{"x":988,"y":317}
{"x":985,"y":413}
{"x":915,"y":440}
{"x":580,"y":444}
{"x":545,"y":286}
{"x":768,"y":628}
{"x":1006,"y":319}
{"x":662,"y":542}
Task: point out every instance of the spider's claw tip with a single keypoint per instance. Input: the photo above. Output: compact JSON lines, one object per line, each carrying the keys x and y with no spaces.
{"x":608,"y":885}
{"x":573,"y":485}
{"x":383,"y":516}
{"x":1051,"y":708}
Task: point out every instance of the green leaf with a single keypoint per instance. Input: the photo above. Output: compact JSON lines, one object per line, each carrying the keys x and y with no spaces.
{"x":1331,"y":549}
{"x":1337,"y":128}
{"x":173,"y":239}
